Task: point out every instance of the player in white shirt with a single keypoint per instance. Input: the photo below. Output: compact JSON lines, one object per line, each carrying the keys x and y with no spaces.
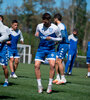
{"x":4,"y":36}
{"x":46,"y":48}
{"x":15,"y":35}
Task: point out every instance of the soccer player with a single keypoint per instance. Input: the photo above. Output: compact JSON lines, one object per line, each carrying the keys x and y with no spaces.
{"x":4,"y":36}
{"x":88,"y":59}
{"x":72,"y":52}
{"x":15,"y":35}
{"x":46,"y":48}
{"x":61,"y":50}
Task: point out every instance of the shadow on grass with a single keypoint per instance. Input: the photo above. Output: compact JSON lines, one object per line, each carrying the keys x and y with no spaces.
{"x":7,"y":97}
{"x":10,"y":84}
{"x":23,"y":77}
{"x":54,"y":91}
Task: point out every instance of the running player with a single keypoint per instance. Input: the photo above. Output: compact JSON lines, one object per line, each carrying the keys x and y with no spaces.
{"x":61,"y":50}
{"x":46,"y":49}
{"x":4,"y":35}
{"x":15,"y":34}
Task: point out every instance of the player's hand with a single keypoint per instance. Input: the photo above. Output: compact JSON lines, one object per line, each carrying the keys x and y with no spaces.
{"x":8,"y":42}
{"x":48,"y":38}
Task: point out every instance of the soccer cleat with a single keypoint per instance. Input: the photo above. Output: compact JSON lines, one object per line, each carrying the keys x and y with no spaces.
{"x":5,"y":84}
{"x":69,"y":73}
{"x":62,"y":81}
{"x":40,"y":89}
{"x":13,"y":76}
{"x":55,"y":81}
{"x":49,"y":89}
{"x":87,"y":76}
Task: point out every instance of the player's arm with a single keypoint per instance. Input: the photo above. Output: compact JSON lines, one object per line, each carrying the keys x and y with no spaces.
{"x":5,"y":36}
{"x":54,"y":39}
{"x":21,"y":38}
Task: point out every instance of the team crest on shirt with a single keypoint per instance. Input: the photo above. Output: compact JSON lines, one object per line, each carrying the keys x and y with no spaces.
{"x":52,"y":55}
{"x":50,"y":30}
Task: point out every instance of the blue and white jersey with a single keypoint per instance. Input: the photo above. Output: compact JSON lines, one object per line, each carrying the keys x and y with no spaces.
{"x":63,"y":31}
{"x":51,"y":31}
{"x":88,"y":50}
{"x":4,"y":32}
{"x":73,"y":42}
{"x":15,"y":36}
{"x":4,"y":35}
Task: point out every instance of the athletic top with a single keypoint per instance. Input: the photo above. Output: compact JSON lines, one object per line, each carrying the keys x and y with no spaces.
{"x":4,"y":35}
{"x":51,"y":31}
{"x":63,"y":31}
{"x":88,"y":49}
{"x":15,"y":35}
{"x":73,"y":42}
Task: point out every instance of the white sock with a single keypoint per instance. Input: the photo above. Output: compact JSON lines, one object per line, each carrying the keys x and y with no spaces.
{"x":88,"y":74}
{"x":62,"y":76}
{"x":6,"y":80}
{"x":58,"y":77}
{"x":50,"y":81}
{"x":39,"y":82}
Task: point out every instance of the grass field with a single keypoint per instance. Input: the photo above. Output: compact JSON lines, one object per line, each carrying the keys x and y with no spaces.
{"x":25,"y":87}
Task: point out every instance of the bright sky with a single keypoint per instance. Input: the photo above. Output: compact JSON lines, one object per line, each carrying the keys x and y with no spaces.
{"x":11,"y":3}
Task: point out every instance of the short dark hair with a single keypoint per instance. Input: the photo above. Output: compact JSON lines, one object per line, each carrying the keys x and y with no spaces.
{"x":58,"y":16}
{"x":2,"y":17}
{"x":46,"y":16}
{"x":75,"y":30}
{"x":14,"y":21}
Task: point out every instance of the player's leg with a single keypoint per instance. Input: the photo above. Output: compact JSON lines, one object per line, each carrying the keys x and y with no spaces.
{"x":88,"y":64}
{"x":38,"y":76}
{"x":6,"y":75}
{"x":72,"y":63}
{"x":68,"y":62}
{"x":51,"y":75}
{"x":11,"y":61}
{"x":61,"y":69}
{"x":38,"y":59}
{"x":16,"y":62}
{"x":57,"y":72}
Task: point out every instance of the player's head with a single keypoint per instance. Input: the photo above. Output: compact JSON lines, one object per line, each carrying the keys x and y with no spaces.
{"x":46,"y":19}
{"x":1,"y":18}
{"x":14,"y":24}
{"x":57,"y":17}
{"x":75,"y":32}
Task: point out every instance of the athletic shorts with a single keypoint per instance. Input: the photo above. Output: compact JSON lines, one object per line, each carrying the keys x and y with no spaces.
{"x":13,"y":53}
{"x":88,"y":60}
{"x":61,"y":52}
{"x":4,"y":56}
{"x":40,"y":55}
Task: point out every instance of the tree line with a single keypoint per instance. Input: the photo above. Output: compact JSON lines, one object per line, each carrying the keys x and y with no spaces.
{"x":74,"y":12}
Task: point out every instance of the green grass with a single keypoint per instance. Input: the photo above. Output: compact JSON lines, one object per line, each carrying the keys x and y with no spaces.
{"x":25,"y":86}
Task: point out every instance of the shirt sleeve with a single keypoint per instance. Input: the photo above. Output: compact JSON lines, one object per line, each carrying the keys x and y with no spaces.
{"x":37,"y":31}
{"x":21,"y":36}
{"x":5,"y":35}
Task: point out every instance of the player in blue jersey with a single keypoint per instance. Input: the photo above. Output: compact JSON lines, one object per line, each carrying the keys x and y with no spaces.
{"x":88,"y":59}
{"x":61,"y":50}
{"x":46,"y":49}
{"x":4,"y":36}
{"x":72,"y":52}
{"x":15,"y":35}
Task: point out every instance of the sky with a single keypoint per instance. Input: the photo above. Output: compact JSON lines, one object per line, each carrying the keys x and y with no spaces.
{"x":11,"y":3}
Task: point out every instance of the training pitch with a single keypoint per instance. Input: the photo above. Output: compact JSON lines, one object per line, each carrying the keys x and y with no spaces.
{"x":25,"y":86}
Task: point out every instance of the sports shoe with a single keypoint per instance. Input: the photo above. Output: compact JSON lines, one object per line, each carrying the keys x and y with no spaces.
{"x":87,"y":76}
{"x":55,"y":81}
{"x":62,"y":81}
{"x":5,"y":84}
{"x":69,"y":73}
{"x":13,"y":76}
{"x":40,"y":89}
{"x":49,"y":89}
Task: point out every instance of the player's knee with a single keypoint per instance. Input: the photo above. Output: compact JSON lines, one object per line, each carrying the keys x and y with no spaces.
{"x":4,"y":67}
{"x":37,"y":67}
